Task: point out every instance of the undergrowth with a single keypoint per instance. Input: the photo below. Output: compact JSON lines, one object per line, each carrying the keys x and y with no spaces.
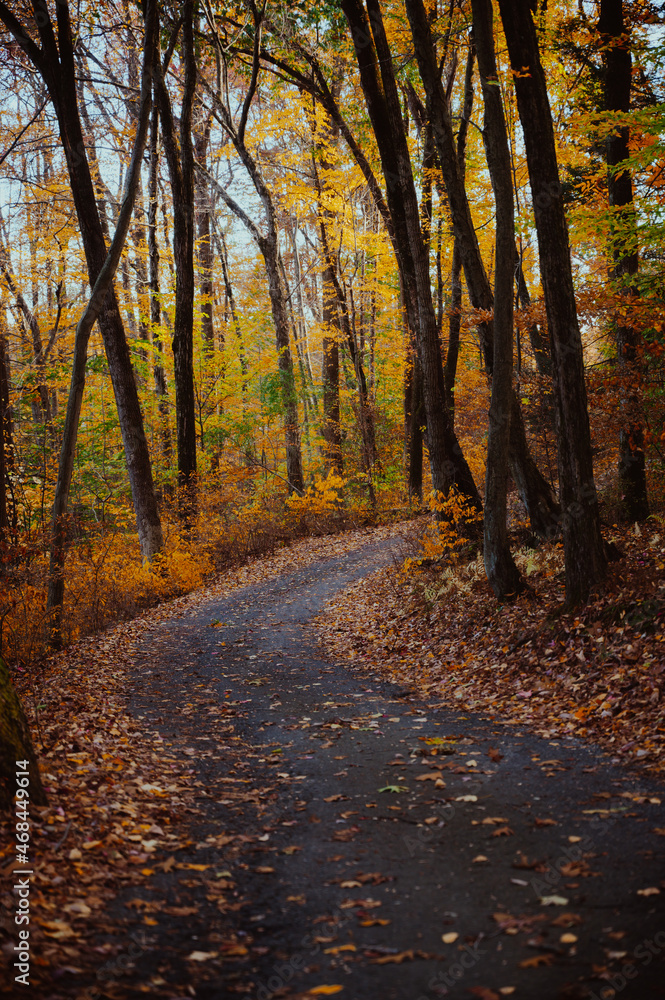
{"x":106,"y":582}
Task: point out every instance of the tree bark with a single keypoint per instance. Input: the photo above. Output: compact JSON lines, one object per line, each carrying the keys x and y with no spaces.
{"x":15,"y":745}
{"x":500,"y":567}
{"x":448,"y":465}
{"x":617,"y":67}
{"x":585,"y":558}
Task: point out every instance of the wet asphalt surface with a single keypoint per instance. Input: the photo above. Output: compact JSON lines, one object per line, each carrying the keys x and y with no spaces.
{"x":340,"y":824}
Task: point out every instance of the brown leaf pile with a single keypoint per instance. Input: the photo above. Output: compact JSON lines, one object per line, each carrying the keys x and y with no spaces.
{"x":597,"y":673}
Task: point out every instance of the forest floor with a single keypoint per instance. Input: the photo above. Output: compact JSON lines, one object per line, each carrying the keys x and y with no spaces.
{"x":428,"y":811}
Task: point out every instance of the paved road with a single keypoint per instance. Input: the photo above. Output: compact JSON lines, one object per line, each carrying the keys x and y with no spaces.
{"x":345,"y":829}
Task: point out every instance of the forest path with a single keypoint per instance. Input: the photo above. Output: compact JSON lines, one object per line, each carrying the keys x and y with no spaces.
{"x":303,"y":876}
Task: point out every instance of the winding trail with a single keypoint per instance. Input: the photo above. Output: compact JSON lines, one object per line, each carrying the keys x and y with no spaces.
{"x":302,"y":870}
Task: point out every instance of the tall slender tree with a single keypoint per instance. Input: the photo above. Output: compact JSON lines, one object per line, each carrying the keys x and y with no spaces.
{"x":179,"y":151}
{"x":502,"y":572}
{"x":617,"y":81}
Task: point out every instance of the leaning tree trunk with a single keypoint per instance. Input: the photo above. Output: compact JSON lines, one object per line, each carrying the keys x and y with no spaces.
{"x":55,"y":62}
{"x":502,"y":572}
{"x":585,"y":559}
{"x":15,"y":745}
{"x":618,"y":78}
{"x":103,"y":307}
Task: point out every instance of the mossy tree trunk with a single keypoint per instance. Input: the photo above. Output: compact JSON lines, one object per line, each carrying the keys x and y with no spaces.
{"x":15,"y":744}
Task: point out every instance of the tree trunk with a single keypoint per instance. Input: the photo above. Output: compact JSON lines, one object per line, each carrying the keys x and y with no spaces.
{"x":448,"y":465}
{"x":414,"y":420}
{"x":502,"y":572}
{"x":180,"y":159}
{"x":539,"y":495}
{"x":222,"y":253}
{"x":455,"y":315}
{"x":16,"y":747}
{"x":584,"y":550}
{"x":270,"y":251}
{"x":617,"y":65}
{"x":155,"y":295}
{"x":332,"y":431}
{"x":204,"y":244}
{"x":538,"y":341}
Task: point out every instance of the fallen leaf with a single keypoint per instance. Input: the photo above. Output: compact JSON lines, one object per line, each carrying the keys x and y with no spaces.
{"x":503,"y":831}
{"x":402,"y":956}
{"x":484,"y":993}
{"x":554,"y":900}
{"x":341,"y":947}
{"x":78,"y":908}
{"x":466,"y":798}
{"x":394,"y":789}
{"x":568,"y":938}
{"x":428,"y":776}
{"x":324,"y":991}
{"x":57,"y":929}
{"x":202,"y":956}
{"x":536,"y":960}
{"x":651,"y":891}
{"x":494,"y":755}
{"x":478,"y":858}
{"x":450,"y":937}
{"x":567,"y":920}
{"x":379,"y":922}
